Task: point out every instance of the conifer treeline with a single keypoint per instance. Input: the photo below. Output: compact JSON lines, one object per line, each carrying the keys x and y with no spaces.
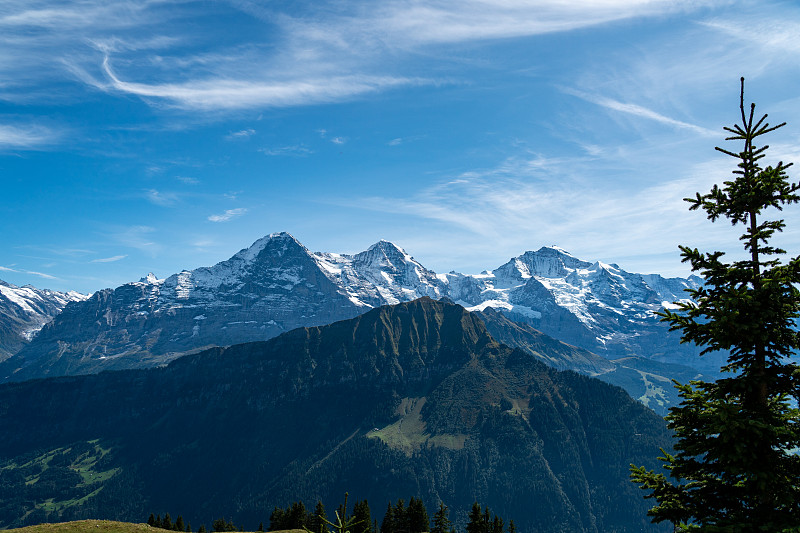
{"x":219,"y":524}
{"x":398,"y":518}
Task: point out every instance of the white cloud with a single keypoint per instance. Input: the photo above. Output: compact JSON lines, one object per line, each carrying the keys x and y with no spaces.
{"x":227,"y":94}
{"x":339,"y":140}
{"x":164,"y":199}
{"x":138,"y":237}
{"x":188,"y":181}
{"x":228,"y":215}
{"x":109,"y":259}
{"x":242,"y":134}
{"x":27,"y":137}
{"x":778,"y":34}
{"x":31,"y":272}
{"x":297,"y":150}
{"x":639,"y":111}
{"x":534,"y":201}
{"x":318,"y":54}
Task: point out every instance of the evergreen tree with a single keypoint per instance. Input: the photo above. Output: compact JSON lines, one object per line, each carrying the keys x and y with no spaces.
{"x":441,"y":520}
{"x":497,"y":525}
{"x":188,"y":527}
{"x":201,"y":529}
{"x":277,"y":519}
{"x":387,"y":526}
{"x":319,"y":520}
{"x":298,"y":517}
{"x":400,"y":520}
{"x":151,"y":521}
{"x":158,"y":521}
{"x":220,"y":524}
{"x":512,"y":528}
{"x":261,"y":526}
{"x":417,"y":516}
{"x":476,"y":524}
{"x":166,"y":523}
{"x":734,"y":468}
{"x":363,"y":520}
{"x":179,"y":525}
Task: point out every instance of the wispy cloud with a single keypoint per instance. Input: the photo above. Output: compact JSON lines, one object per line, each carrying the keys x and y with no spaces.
{"x":188,"y":181}
{"x":226,"y":94}
{"x":638,"y":111}
{"x":339,"y":140}
{"x":242,"y":134}
{"x":109,"y":259}
{"x":767,"y":32}
{"x":31,"y":272}
{"x":139,"y":237}
{"x":228,"y":215}
{"x":323,"y":53}
{"x":27,"y":137}
{"x":404,"y":140}
{"x":297,"y":150}
{"x":556,"y":201}
{"x":164,"y":199}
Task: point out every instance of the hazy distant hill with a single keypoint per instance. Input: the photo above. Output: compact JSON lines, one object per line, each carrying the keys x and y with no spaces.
{"x":415,"y":398}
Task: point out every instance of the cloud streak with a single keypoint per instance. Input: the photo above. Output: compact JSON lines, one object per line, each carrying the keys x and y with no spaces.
{"x":30,"y":272}
{"x":229,"y":214}
{"x":502,"y":210}
{"x":109,"y":259}
{"x":639,"y":111}
{"x":164,"y":199}
{"x":224,"y":94}
{"x":325,"y":52}
{"x":28,"y":137}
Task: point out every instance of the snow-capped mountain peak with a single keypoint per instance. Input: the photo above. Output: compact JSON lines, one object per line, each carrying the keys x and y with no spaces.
{"x":150,"y":279}
{"x":25,"y":310}
{"x":277,"y":284}
{"x":279,"y":243}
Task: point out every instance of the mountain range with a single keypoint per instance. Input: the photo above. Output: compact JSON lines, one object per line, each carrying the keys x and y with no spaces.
{"x":277,"y":285}
{"x":414,"y":399}
{"x":25,"y":310}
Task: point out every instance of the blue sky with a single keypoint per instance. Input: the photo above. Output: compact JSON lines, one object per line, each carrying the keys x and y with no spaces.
{"x":166,"y":135}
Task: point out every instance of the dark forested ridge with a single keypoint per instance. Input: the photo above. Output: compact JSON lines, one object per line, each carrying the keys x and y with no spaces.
{"x":413,"y":399}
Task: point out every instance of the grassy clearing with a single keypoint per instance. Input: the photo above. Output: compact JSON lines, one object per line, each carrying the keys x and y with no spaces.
{"x":86,"y":526}
{"x":71,"y":476}
{"x":101,"y":526}
{"x":409,"y":433}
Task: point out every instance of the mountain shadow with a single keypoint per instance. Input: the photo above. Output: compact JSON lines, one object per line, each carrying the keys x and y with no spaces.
{"x":412,"y":399}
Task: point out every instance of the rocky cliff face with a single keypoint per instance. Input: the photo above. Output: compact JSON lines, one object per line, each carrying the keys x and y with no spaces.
{"x":277,"y":285}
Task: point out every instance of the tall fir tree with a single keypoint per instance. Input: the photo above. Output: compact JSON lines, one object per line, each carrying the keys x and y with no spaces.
{"x":400,"y":519}
{"x":387,"y":525}
{"x":363,"y":520}
{"x":441,"y":520}
{"x":277,"y":519}
{"x":319,"y":521}
{"x":735,"y":468}
{"x":476,"y":522}
{"x":417,"y":520}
